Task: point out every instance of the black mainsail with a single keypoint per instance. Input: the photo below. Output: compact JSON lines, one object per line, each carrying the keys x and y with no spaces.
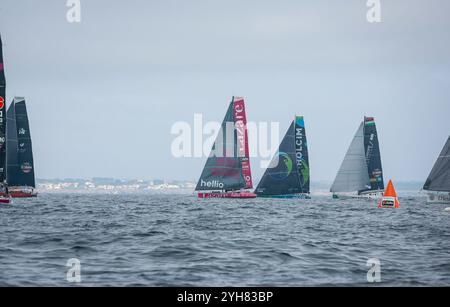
{"x":12,"y":163}
{"x":2,"y":118}
{"x":224,"y":170}
{"x":288,"y":172}
{"x":361,"y":169}
{"x":439,"y":178}
{"x":373,"y":156}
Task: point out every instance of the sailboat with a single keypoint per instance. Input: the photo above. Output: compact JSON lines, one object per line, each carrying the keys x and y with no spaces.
{"x":20,"y":165}
{"x":361,"y":173}
{"x":389,"y":199}
{"x":288,"y":173}
{"x":4,"y":197}
{"x":438,"y":182}
{"x":227,"y":173}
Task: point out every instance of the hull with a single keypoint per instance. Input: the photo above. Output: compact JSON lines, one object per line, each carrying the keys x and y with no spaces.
{"x":19,"y":194}
{"x":287,"y":196}
{"x":438,"y":198}
{"x":22,"y":194}
{"x":369,"y":195}
{"x":4,"y":200}
{"x":226,"y":195}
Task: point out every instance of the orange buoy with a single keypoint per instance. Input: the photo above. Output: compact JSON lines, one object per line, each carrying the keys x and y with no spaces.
{"x":389,"y":199}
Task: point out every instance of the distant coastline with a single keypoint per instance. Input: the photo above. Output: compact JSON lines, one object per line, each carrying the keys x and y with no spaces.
{"x":160,"y":186}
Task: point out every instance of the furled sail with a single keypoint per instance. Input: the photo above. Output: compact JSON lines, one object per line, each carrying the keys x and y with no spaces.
{"x":353,"y":173}
{"x":439,"y":178}
{"x":224,"y":166}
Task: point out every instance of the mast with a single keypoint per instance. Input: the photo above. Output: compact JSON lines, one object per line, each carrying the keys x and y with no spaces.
{"x":223,"y":169}
{"x":2,"y":118}
{"x":439,"y":178}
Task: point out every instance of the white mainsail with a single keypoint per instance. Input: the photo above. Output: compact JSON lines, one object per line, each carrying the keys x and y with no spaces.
{"x":353,"y":174}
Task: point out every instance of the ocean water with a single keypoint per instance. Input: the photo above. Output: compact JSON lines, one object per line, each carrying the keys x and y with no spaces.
{"x":178,"y":240}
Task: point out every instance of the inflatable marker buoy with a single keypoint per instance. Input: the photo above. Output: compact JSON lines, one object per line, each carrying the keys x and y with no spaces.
{"x":389,"y":199}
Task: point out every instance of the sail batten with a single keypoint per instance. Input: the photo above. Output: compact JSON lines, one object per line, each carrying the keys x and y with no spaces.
{"x":439,"y":178}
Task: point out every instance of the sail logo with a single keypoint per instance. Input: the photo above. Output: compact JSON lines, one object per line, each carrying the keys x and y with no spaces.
{"x":22,"y":148}
{"x":283,"y":166}
{"x":2,"y":103}
{"x":299,"y":143}
{"x":26,"y":167}
{"x":239,"y":116}
{"x":214,"y":184}
{"x":370,"y":148}
{"x":22,"y":131}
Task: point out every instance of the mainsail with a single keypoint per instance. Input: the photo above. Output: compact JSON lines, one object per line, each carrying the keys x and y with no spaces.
{"x":439,"y":178}
{"x":288,"y":172}
{"x":2,"y":118}
{"x":373,"y":157}
{"x":353,"y":173}
{"x":228,"y":166}
{"x":20,"y":164}
{"x":361,"y":169}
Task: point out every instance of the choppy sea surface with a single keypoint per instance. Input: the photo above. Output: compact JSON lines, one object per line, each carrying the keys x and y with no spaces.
{"x":178,"y":240}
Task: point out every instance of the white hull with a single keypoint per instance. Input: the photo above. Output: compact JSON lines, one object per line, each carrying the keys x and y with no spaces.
{"x":438,"y":197}
{"x":370,"y":195}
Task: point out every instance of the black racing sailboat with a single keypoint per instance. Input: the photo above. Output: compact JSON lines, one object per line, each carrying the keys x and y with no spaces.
{"x":288,"y":175}
{"x":20,"y":164}
{"x":438,"y":182}
{"x":227,"y":172}
{"x":361,"y":172}
{"x":3,"y":186}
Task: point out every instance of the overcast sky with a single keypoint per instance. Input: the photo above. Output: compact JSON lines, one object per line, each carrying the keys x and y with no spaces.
{"x":103,"y":94}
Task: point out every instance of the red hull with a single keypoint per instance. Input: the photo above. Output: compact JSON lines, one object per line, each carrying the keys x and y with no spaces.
{"x":227,"y":195}
{"x":5,"y":201}
{"x":19,"y":194}
{"x":22,"y":195}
